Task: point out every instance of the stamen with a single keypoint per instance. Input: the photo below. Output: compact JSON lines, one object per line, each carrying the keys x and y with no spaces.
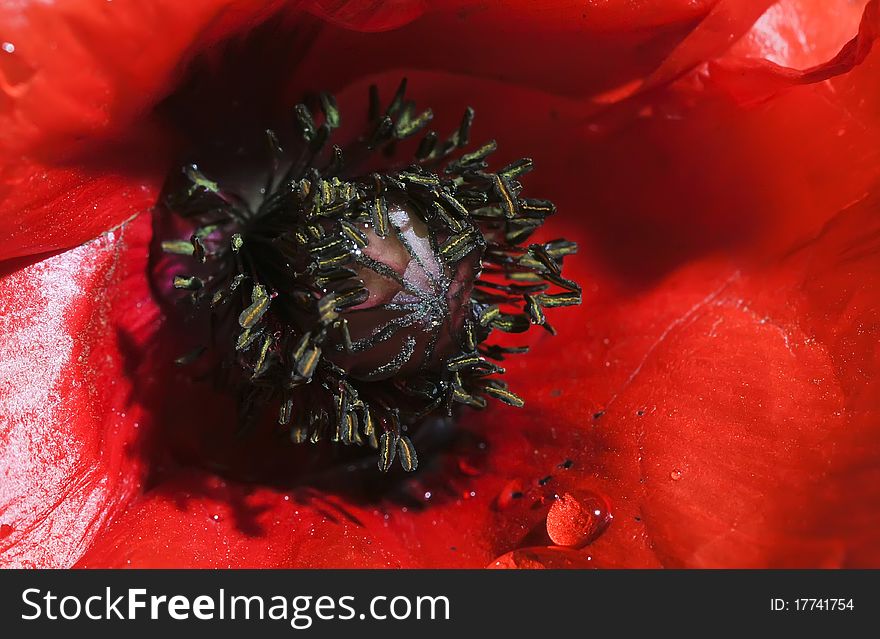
{"x":358,"y":304}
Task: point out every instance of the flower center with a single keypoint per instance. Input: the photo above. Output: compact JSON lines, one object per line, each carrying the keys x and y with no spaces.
{"x":358,"y":303}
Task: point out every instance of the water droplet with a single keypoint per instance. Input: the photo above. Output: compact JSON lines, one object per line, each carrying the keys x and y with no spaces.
{"x":428,"y":494}
{"x":675,"y":475}
{"x":5,"y":530}
{"x":215,"y":517}
{"x":577,"y":519}
{"x":8,"y":47}
{"x":543,"y":557}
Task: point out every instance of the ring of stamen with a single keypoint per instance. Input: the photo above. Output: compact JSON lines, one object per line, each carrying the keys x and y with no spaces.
{"x":360,"y":304}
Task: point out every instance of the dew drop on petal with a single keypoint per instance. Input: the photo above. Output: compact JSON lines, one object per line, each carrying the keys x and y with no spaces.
{"x":675,"y":475}
{"x":542,"y":557}
{"x":577,"y":519}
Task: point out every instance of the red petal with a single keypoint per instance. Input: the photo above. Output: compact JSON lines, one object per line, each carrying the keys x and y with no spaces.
{"x":90,"y":68}
{"x":801,"y":33}
{"x":756,"y":446}
{"x":369,"y":15}
{"x":689,"y":165}
{"x":46,"y":207}
{"x":199,"y":521}
{"x":755,"y":79}
{"x":78,"y":82}
{"x":613,"y":403}
{"x":574,"y":49}
{"x":68,"y":428}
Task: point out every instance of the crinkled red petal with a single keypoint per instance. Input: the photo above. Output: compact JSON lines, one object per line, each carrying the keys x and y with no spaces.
{"x":79,"y":150}
{"x":715,"y":390}
{"x":70,"y":432}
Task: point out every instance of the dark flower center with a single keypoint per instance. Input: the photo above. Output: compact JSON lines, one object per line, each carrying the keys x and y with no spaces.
{"x":356,"y":301}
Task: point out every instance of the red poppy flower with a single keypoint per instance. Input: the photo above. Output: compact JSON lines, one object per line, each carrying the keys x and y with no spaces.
{"x":713,"y":402}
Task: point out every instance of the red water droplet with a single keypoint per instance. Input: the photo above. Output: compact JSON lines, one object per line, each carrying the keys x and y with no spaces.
{"x":675,"y":475}
{"x":577,"y":519}
{"x":5,"y":530}
{"x":543,"y":557}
